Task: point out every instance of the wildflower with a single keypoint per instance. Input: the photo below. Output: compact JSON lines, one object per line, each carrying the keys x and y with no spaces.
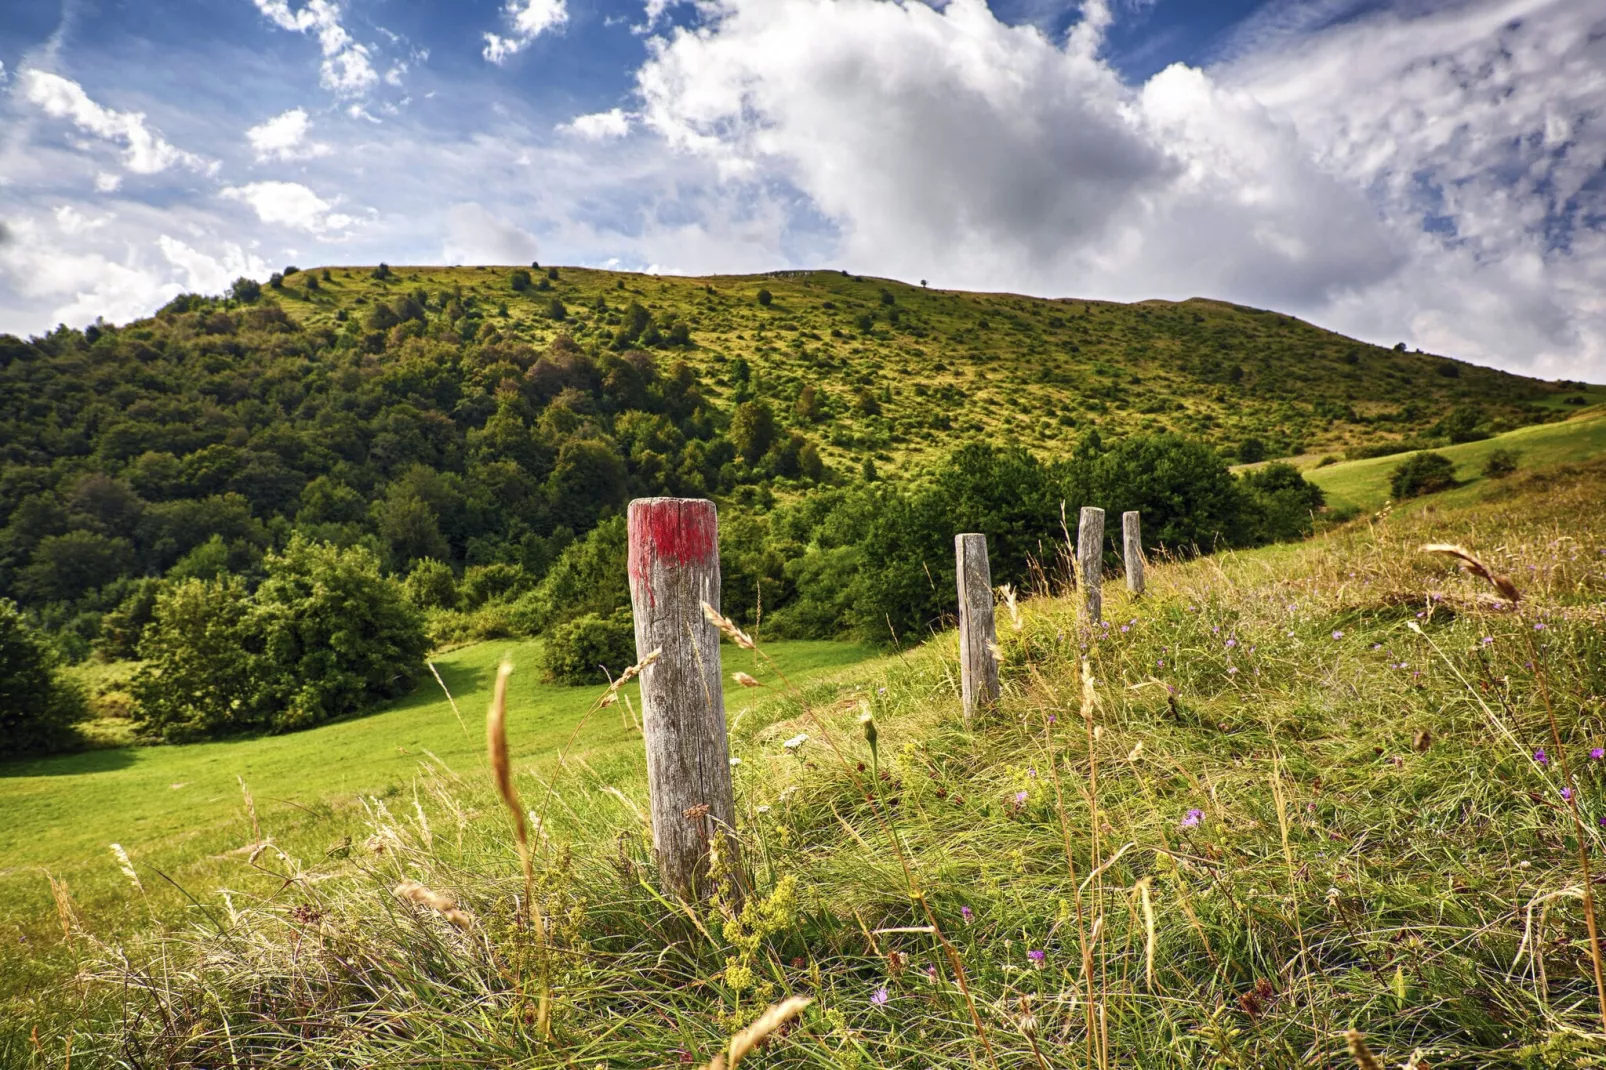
{"x":1232,"y":670}
{"x":1191,"y":820}
{"x":1032,"y":772}
{"x":1037,"y":956}
{"x":879,"y":997}
{"x":881,"y":691}
{"x":1540,"y":626}
{"x":1598,"y":753}
{"x":796,"y":741}
{"x":965,"y":912}
{"x":1567,"y":794}
{"x":1231,"y":643}
{"x":1541,"y":757}
{"x":1488,"y":640}
{"x":1160,"y":664}
{"x":1338,"y":635}
{"x":931,"y":971}
{"x":1377,"y":646}
{"x":1020,"y":798}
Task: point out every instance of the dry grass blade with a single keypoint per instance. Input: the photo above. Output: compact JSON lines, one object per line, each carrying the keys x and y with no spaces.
{"x":501,"y":768}
{"x":751,"y":1037}
{"x":745,"y":680}
{"x":730,"y":631}
{"x":1360,"y":1052}
{"x":1012,"y":603}
{"x":442,"y":904}
{"x":1470,"y":562}
{"x":126,"y":864}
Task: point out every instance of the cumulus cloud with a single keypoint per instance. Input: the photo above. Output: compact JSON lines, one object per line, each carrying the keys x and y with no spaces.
{"x":475,"y":235}
{"x":527,"y":20}
{"x":598,"y":126}
{"x":347,"y":68}
{"x":208,"y":274}
{"x":145,"y":151}
{"x":284,"y":137}
{"x":1382,"y":173}
{"x":290,"y":204}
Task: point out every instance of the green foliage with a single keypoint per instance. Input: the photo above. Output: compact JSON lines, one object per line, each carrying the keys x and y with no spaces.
{"x":519,"y":280}
{"x":246,"y":291}
{"x":38,"y":705}
{"x":765,"y":297}
{"x":1283,"y":503}
{"x":1422,"y":473}
{"x":1501,"y":463}
{"x":430,"y":584}
{"x":1463,"y":424}
{"x":752,"y":430}
{"x":324,"y":636}
{"x":590,"y":649}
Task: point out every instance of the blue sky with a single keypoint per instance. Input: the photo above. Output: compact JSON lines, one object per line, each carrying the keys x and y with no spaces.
{"x":1432,"y":172}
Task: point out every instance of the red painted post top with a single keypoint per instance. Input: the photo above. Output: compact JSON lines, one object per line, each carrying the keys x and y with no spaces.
{"x":682,"y":531}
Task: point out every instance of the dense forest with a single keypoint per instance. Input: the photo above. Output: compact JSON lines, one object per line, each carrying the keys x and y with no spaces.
{"x":461,"y":471}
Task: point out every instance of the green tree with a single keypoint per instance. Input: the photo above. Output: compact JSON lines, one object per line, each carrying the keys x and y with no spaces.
{"x":38,"y":706}
{"x":590,"y":649}
{"x":67,"y":566}
{"x":1282,"y":502}
{"x":519,"y":280}
{"x":199,"y":677}
{"x":430,"y":584}
{"x":246,"y":291}
{"x":1501,"y":463}
{"x":752,"y":430}
{"x":765,"y":297}
{"x":1422,"y":473}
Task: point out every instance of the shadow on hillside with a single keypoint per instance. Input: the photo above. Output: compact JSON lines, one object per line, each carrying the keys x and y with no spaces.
{"x":104,"y":760}
{"x":468,"y":684}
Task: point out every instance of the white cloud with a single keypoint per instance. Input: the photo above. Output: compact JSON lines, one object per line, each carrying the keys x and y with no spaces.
{"x":474,"y":235}
{"x":107,"y":182}
{"x":527,"y":19}
{"x":207,"y":274}
{"x":284,"y":137}
{"x":145,"y":152}
{"x":347,"y":69}
{"x":598,"y":126}
{"x":935,"y":141}
{"x":289,"y":204}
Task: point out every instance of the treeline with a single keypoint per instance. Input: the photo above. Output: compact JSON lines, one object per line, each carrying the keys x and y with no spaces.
{"x":280,"y":522}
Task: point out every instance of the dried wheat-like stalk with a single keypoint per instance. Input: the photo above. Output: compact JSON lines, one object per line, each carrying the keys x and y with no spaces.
{"x":126,"y":864}
{"x":745,"y":680}
{"x":1469,"y":562}
{"x":731,"y":632}
{"x":1148,"y":928}
{"x":65,"y":914}
{"x":444,"y":905}
{"x":1358,"y":1050}
{"x":611,"y":696}
{"x":748,"y":1039}
{"x":1012,"y":603}
{"x":502,"y":770}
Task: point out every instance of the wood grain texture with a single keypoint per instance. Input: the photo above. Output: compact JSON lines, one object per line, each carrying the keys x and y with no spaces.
{"x":978,"y":679}
{"x":1090,"y":561}
{"x":1132,"y":550}
{"x":674,"y":569}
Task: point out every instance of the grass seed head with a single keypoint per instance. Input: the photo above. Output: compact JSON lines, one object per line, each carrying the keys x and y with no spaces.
{"x":126,"y":864}
{"x":728,"y":629}
{"x":1364,"y":1059}
{"x":1469,"y":562}
{"x":442,"y":904}
{"x":754,"y":1035}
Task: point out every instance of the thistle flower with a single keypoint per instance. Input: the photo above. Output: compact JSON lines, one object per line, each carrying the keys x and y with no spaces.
{"x":1598,"y":753}
{"x":867,"y":722}
{"x":879,"y":997}
{"x":1192,"y":818}
{"x":1020,"y":798}
{"x":1567,"y":794}
{"x":968,"y":915}
{"x":1338,"y":635}
{"x":1037,"y":957}
{"x":1541,"y":757}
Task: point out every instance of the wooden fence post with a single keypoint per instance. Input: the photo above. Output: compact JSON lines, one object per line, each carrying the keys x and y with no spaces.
{"x":1090,"y":561}
{"x":674,"y":569}
{"x":1132,"y":545}
{"x":978,"y":666}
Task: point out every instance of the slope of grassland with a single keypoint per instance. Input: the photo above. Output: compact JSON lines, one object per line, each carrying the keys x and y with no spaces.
{"x":1307,"y":788}
{"x":903,"y":370}
{"x":1364,"y":484}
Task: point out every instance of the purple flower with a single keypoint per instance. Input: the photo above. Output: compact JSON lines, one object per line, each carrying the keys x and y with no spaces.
{"x":1539,"y":627}
{"x":931,"y":971}
{"x":1020,"y":798}
{"x":1338,"y":635}
{"x":1541,"y":757}
{"x":1598,"y":753}
{"x":1488,"y":640}
{"x":879,"y":997}
{"x":1160,"y":664}
{"x":1567,"y":794}
{"x":1037,"y":956}
{"x":1231,"y":643}
{"x":1191,"y":820}
{"x":1232,"y":669}
{"x":965,"y":912}
{"x":1032,"y":773}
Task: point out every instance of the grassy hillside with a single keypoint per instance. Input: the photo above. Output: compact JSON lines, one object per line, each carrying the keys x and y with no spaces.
{"x":1310,"y":787}
{"x":1364,"y":484}
{"x":939,"y":365}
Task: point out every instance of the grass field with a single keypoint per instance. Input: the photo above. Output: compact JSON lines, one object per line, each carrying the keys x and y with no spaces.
{"x":1300,"y":790}
{"x":1364,"y":484}
{"x":180,"y":809}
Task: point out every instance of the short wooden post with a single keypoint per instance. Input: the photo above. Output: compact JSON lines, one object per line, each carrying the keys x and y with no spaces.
{"x":978,"y":665}
{"x":1132,"y":547}
{"x":674,"y":569}
{"x":1090,"y":561}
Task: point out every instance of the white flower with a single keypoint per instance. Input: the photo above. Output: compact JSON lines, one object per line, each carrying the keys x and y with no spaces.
{"x":796,"y":741}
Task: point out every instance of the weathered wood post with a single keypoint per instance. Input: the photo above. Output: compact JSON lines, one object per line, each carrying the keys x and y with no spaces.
{"x":1132,"y":547}
{"x":1090,"y":561}
{"x":674,"y":569}
{"x":978,"y":665}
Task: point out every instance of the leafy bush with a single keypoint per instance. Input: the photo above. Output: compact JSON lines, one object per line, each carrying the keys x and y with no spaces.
{"x":1501,"y":463}
{"x":1422,"y":473}
{"x":38,"y":707}
{"x":245,"y":290}
{"x":765,"y":297}
{"x":519,"y":280}
{"x":1283,"y":502}
{"x":578,"y":651}
{"x":325,"y":635}
{"x":431,"y":585}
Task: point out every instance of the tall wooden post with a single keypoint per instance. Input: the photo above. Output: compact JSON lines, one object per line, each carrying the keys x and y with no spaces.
{"x":978,"y":665}
{"x":1132,"y":547}
{"x":1090,"y":561}
{"x":674,"y":569}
